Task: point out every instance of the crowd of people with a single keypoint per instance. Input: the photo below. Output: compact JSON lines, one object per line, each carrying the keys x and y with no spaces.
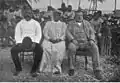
{"x":54,"y":34}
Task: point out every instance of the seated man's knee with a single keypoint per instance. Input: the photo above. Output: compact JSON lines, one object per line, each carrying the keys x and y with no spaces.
{"x":94,"y":45}
{"x":72,"y":48}
{"x":13,"y":50}
{"x":94,"y":48}
{"x":16,"y":49}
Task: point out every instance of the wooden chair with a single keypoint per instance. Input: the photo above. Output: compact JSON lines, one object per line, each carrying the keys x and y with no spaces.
{"x":22,"y":54}
{"x":82,"y":53}
{"x":27,"y":46}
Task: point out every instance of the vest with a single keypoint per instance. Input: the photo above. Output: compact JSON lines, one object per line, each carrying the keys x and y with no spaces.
{"x":79,"y":33}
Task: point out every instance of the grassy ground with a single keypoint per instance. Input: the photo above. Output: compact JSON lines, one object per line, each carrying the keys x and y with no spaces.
{"x":81,"y":75}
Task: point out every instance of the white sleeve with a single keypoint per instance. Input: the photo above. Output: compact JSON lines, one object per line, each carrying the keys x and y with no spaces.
{"x":18,"y":33}
{"x":45,"y":30}
{"x":38,"y":32}
{"x":64,"y":28}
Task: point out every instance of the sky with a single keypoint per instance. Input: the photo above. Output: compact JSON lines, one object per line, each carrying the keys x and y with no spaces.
{"x":108,"y":5}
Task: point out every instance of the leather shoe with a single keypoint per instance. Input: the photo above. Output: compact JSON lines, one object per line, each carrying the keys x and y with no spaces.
{"x":57,"y":72}
{"x":98,"y":75}
{"x":34,"y":74}
{"x":71,"y":72}
{"x":16,"y":73}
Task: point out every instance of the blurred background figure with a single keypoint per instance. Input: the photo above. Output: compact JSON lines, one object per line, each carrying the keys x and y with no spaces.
{"x":69,"y":14}
{"x":96,"y":23}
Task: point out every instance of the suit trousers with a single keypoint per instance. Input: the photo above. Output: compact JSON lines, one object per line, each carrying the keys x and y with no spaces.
{"x":92,"y":51}
{"x":38,"y":56}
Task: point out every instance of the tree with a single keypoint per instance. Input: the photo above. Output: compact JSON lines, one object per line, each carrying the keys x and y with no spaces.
{"x":115,"y":4}
{"x":93,"y":4}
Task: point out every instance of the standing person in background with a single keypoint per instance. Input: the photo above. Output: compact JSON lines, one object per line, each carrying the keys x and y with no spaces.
{"x":10,"y":15}
{"x":63,"y":8}
{"x":69,"y":14}
{"x":3,"y":27}
{"x":26,"y":29}
{"x":49,"y":12}
{"x":96,"y":23}
{"x":18,"y":12}
{"x":37,"y":15}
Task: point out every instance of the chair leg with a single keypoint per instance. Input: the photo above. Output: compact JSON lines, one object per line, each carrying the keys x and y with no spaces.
{"x":22,"y":56}
{"x":33,"y":56}
{"x":86,"y":62}
{"x":75,"y":58}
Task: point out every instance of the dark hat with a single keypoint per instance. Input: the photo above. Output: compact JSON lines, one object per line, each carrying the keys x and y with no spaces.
{"x":27,"y":43}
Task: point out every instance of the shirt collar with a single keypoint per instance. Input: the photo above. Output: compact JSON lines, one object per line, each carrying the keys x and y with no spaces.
{"x":56,"y":22}
{"x":28,"y":21}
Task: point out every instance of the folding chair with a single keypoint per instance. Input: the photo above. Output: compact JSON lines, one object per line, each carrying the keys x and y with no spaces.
{"x":27,"y":46}
{"x":22,"y":54}
{"x":82,"y":53}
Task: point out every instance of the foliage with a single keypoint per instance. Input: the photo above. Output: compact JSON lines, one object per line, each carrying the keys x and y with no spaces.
{"x":97,"y":0}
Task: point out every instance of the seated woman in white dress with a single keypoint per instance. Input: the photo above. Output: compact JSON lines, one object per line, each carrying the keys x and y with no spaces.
{"x":53,"y":45}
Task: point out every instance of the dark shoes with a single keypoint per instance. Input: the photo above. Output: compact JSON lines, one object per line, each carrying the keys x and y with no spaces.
{"x":57,"y":73}
{"x":16,"y":73}
{"x":98,"y":75}
{"x":34,"y":73}
{"x":71,"y":72}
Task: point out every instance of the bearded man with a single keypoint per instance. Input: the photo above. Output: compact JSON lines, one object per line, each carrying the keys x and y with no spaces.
{"x":83,"y":39}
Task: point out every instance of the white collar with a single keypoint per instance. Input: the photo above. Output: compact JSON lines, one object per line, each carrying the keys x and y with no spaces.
{"x":28,"y":21}
{"x":79,"y":23}
{"x":56,"y":22}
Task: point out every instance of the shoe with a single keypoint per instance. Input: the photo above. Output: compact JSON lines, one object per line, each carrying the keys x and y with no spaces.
{"x":98,"y":75}
{"x":16,"y":73}
{"x":34,"y":74}
{"x":57,"y":72}
{"x":71,"y":72}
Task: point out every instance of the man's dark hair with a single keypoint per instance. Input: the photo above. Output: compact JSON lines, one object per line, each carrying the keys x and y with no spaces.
{"x":99,"y":12}
{"x":70,"y":6}
{"x":50,"y":8}
{"x":63,"y":5}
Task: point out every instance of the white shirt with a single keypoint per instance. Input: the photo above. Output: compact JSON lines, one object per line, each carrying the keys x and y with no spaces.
{"x":30,"y":28}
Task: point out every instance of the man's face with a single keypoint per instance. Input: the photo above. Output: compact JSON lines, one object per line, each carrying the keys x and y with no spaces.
{"x":56,"y":16}
{"x":96,"y":17}
{"x":28,"y":14}
{"x":69,"y":8}
{"x":79,"y":17}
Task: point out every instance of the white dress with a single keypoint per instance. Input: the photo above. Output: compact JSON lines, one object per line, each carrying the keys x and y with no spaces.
{"x":53,"y":54}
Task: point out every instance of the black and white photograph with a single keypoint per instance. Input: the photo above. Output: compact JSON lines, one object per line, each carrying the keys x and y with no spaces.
{"x":59,"y":40}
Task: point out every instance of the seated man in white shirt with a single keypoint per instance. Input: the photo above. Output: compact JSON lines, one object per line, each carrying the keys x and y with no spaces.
{"x":27,"y":27}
